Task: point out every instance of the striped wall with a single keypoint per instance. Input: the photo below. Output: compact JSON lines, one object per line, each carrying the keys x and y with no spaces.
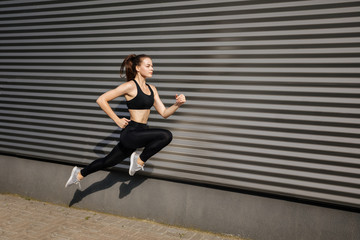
{"x":272,"y":88}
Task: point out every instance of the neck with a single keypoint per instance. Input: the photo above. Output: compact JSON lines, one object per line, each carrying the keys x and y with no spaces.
{"x":140,"y":79}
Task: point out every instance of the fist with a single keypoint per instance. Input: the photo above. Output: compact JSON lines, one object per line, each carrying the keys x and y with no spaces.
{"x":123,"y":122}
{"x":180,"y":99}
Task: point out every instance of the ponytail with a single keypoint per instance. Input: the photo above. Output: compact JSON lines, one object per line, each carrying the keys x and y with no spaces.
{"x":129,"y":65}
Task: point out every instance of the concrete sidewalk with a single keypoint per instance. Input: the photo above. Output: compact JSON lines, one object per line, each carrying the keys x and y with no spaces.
{"x":22,"y":218}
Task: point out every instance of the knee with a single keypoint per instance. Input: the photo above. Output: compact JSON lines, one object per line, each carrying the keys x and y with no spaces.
{"x":167,"y":136}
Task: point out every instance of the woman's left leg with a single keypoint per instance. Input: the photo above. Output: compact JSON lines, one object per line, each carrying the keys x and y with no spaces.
{"x":153,"y":140}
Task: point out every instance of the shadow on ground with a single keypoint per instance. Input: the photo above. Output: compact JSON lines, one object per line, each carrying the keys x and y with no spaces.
{"x":128,"y":183}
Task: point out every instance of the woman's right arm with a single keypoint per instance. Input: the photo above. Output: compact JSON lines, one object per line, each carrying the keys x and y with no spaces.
{"x":104,"y":99}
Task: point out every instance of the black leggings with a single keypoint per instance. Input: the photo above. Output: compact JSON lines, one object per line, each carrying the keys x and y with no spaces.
{"x":135,"y":135}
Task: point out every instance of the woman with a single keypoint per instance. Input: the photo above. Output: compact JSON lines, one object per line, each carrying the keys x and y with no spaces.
{"x":140,"y":97}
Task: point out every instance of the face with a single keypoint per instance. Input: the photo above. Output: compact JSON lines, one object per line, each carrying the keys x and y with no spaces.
{"x":146,"y":68}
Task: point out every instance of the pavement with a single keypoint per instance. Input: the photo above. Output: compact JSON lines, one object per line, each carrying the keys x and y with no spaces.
{"x":23,"y":218}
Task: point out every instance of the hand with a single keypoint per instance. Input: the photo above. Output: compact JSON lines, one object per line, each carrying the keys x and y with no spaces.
{"x":180,"y":100}
{"x":122,"y":122}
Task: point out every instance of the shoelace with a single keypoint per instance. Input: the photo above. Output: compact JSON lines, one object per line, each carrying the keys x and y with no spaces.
{"x":140,"y":167}
{"x":77,"y":183}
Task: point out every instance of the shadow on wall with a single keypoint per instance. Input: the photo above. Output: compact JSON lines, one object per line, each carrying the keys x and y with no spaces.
{"x":128,"y":184}
{"x":114,"y":135}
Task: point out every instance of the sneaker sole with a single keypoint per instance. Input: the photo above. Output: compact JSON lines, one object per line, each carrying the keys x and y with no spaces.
{"x":132,"y":162}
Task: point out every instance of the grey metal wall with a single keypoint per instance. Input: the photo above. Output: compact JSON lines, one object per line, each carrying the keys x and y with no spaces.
{"x":272,"y":88}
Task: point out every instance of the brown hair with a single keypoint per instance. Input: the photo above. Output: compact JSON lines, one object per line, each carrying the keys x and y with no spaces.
{"x":129,"y":65}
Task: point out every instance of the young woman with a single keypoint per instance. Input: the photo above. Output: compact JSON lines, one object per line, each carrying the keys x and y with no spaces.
{"x":140,"y":97}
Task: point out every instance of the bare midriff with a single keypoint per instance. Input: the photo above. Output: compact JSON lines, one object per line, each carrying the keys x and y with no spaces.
{"x":139,"y":115}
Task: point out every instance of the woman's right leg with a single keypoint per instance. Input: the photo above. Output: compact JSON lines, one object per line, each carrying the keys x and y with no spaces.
{"x":139,"y":135}
{"x":118,"y":154}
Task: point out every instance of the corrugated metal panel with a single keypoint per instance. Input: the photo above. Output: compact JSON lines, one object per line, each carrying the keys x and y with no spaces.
{"x":272,"y":88}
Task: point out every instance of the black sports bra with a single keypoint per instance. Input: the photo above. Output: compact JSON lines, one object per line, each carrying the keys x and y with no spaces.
{"x":141,"y":100}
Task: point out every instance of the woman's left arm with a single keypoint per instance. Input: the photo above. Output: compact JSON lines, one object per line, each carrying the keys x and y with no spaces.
{"x":162,"y":110}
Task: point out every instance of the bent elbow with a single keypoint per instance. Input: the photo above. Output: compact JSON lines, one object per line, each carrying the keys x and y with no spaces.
{"x":165,"y":116}
{"x":99,"y":101}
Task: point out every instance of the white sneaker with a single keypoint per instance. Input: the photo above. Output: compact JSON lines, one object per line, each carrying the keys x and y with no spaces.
{"x":73,"y":178}
{"x":134,"y":166}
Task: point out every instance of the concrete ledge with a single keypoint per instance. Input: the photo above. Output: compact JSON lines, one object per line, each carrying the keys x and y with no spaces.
{"x":186,"y":205}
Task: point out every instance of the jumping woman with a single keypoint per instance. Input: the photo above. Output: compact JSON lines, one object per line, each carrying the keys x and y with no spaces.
{"x":135,"y":133}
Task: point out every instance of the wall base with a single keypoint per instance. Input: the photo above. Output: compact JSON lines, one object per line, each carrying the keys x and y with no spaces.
{"x":186,"y":205}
